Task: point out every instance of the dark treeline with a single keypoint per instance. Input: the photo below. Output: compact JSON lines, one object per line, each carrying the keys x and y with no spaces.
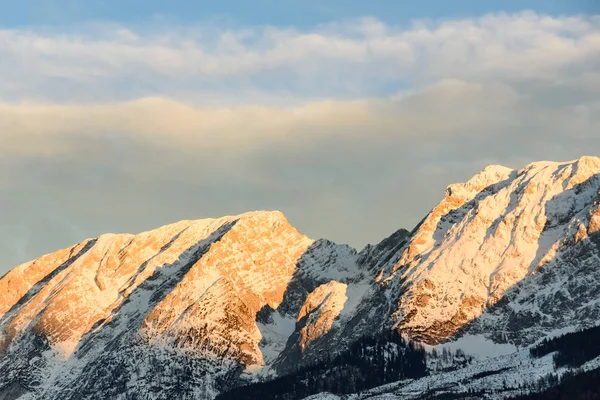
{"x":582,"y":386}
{"x":369,"y":362}
{"x":572,"y":349}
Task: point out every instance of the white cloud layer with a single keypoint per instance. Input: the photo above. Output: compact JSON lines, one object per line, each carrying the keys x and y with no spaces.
{"x":337,"y":59}
{"x":121,"y":128}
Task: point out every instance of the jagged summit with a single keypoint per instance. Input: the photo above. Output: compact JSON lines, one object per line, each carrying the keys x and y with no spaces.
{"x":274,"y":216}
{"x":488,"y":176}
{"x":592,"y":162}
{"x":493,"y":174}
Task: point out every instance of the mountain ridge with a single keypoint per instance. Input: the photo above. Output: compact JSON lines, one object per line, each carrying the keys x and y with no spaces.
{"x":227,"y":301}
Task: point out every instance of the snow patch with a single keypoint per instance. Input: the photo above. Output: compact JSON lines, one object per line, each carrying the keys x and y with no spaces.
{"x":478,"y":346}
{"x":275,"y":335}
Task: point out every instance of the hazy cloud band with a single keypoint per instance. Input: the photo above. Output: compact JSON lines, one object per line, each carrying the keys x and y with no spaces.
{"x":113,"y":128}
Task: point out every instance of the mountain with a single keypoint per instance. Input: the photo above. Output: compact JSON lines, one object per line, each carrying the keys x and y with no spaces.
{"x":503,"y":261}
{"x":488,"y":248}
{"x":197,"y":308}
{"x":110,"y":314}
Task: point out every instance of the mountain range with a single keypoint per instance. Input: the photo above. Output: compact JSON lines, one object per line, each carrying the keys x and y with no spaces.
{"x":246,"y":306}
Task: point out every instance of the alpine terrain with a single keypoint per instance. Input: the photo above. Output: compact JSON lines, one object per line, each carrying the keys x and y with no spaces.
{"x":496,"y":293}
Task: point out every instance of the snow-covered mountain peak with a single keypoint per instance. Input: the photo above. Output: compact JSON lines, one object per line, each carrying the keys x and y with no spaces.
{"x":572,"y":172}
{"x":192,"y":286}
{"x":488,"y":176}
{"x":486,"y":236}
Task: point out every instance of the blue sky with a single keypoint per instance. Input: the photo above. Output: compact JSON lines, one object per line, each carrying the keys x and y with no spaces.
{"x":351,"y":117}
{"x":299,"y":13}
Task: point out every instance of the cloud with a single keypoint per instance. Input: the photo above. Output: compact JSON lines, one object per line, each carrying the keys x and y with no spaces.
{"x":447,"y":109}
{"x":353,"y":129}
{"x":338,"y":59}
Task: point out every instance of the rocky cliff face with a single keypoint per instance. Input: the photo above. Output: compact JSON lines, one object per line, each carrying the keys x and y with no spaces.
{"x":196,"y":307}
{"x":561,"y":289}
